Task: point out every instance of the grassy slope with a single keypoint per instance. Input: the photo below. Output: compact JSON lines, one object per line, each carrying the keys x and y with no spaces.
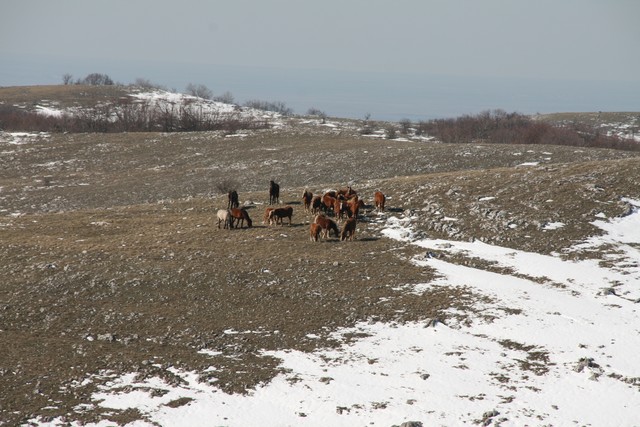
{"x":62,"y":96}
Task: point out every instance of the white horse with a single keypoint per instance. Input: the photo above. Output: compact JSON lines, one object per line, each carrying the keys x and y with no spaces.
{"x":224,"y":216}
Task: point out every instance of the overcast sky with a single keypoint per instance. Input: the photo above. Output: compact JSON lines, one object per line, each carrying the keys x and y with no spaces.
{"x":542,"y":39}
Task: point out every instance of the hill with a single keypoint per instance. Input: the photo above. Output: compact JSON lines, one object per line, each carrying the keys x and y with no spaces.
{"x":622,"y":124}
{"x":497,"y":287}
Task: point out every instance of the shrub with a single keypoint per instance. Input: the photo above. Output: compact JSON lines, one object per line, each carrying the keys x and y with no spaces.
{"x":276,"y":106}
{"x":96,"y":79}
{"x":405,"y":126}
{"x":391,"y":132}
{"x":126,"y":115}
{"x":147,"y":84}
{"x":499,"y":127}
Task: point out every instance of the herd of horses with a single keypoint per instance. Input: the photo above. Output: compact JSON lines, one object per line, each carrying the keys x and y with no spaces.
{"x":329,"y":209}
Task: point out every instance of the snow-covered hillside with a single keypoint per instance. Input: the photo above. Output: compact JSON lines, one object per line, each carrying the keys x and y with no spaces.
{"x":164,"y":101}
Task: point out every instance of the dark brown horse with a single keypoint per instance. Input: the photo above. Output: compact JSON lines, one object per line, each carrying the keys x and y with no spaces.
{"x":239,"y":216}
{"x":233,"y":199}
{"x":278,"y":215}
{"x":307,"y":196}
{"x":274,"y":193}
{"x":316,"y":204}
{"x":349,"y":229}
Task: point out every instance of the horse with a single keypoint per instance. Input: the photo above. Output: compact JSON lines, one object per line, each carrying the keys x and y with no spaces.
{"x":267,"y":211}
{"x":314,"y":232}
{"x":349,"y":229}
{"x":224,"y":216}
{"x":278,"y":214}
{"x":353,"y":206}
{"x":274,"y":193}
{"x":379,"y":200}
{"x":316,"y":204}
{"x":347,"y":192}
{"x":340,"y":208}
{"x":233,"y":199}
{"x":327,"y":225}
{"x":240,"y":215}
{"x":328,"y":203}
{"x":307,"y":196}
{"x":332,"y":193}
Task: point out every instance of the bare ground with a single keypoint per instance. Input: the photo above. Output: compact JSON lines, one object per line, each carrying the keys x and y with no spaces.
{"x":111,"y":259}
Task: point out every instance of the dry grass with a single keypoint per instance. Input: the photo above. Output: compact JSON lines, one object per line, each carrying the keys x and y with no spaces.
{"x":63,"y":96}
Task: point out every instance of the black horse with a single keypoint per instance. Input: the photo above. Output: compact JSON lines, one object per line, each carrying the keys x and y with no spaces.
{"x":233,"y":200}
{"x":274,"y":193}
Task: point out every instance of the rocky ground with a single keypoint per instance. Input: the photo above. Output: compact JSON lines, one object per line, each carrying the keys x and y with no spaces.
{"x":111,"y":259}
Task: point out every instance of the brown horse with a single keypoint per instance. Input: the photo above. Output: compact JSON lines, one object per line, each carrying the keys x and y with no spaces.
{"x":274,"y":193}
{"x":328,"y":203}
{"x":379,"y":200}
{"x":267,"y":211}
{"x":347,"y":192}
{"x":349,"y":229}
{"x":354,"y":206}
{"x":239,"y":216}
{"x":340,"y":208}
{"x":327,"y":225}
{"x":307,"y":196}
{"x":314,"y":232}
{"x":233,"y":199}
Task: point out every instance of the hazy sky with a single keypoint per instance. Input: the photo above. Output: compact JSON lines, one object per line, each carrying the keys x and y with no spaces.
{"x":580,"y":40}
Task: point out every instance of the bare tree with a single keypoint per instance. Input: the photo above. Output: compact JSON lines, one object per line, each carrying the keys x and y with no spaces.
{"x":199,"y":90}
{"x":67,"y":79}
{"x":147,"y":84}
{"x":405,"y":125}
{"x":226,"y":98}
{"x":97,"y":79}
